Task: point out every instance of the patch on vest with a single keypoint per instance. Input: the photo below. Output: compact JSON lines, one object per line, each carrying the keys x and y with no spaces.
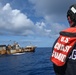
{"x":62,"y":49}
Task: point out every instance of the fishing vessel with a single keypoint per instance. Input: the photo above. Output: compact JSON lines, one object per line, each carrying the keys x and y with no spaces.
{"x":30,"y":49}
{"x":15,"y":49}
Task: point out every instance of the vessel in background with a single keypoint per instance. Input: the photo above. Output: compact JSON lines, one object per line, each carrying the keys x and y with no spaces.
{"x":15,"y":48}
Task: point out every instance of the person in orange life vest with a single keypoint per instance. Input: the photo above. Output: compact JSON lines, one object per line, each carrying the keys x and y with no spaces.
{"x":64,"y":48}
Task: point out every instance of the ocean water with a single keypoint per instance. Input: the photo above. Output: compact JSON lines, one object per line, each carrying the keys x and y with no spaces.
{"x":29,"y":63}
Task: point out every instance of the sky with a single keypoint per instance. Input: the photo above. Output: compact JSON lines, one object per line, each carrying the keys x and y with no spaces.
{"x":33,"y":22}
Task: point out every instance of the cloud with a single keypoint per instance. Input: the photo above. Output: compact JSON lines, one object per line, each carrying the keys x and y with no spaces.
{"x":54,"y":13}
{"x":14,"y":22}
{"x":54,"y":9}
{"x":41,"y":29}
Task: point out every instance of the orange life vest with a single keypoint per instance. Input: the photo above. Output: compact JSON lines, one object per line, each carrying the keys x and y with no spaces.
{"x":63,"y":46}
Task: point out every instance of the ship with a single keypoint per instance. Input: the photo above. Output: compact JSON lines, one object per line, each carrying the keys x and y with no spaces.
{"x":29,"y":48}
{"x":15,"y":48}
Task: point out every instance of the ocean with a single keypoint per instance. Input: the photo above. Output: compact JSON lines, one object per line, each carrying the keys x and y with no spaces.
{"x":28,"y":63}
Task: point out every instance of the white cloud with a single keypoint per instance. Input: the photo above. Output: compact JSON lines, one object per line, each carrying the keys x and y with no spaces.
{"x":54,"y":13}
{"x":44,"y":18}
{"x":56,"y":27}
{"x":41,"y":29}
{"x":7,"y":7}
{"x":55,"y":9}
{"x":13,"y":21}
{"x":16,"y":23}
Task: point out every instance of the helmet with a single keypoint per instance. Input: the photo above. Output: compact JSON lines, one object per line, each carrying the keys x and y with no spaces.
{"x":72,"y":12}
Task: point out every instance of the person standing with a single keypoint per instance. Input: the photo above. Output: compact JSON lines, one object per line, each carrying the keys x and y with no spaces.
{"x":64,"y":49}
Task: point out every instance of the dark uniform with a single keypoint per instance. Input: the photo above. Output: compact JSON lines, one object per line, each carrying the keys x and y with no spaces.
{"x":69,"y":68}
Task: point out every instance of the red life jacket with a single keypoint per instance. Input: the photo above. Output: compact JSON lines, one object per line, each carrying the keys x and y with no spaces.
{"x":64,"y":46}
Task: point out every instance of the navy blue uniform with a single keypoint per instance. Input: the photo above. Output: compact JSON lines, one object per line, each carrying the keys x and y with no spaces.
{"x":70,"y":67}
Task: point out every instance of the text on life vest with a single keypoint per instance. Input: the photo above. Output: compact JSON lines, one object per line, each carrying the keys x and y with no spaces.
{"x":61,"y":47}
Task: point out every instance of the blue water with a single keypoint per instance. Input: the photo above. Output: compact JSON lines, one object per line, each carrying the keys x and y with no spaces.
{"x":29,"y":63}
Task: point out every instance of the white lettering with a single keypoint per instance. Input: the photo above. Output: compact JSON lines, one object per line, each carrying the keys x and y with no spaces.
{"x":73,"y":55}
{"x":64,"y":39}
{"x":62,"y":47}
{"x":59,"y":56}
{"x":67,"y":48}
{"x":57,"y":46}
